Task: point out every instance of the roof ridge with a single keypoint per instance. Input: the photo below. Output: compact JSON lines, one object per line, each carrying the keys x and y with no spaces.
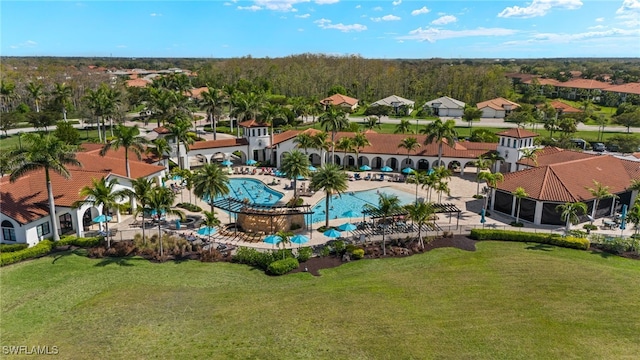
{"x":592,"y":157}
{"x":573,"y":196}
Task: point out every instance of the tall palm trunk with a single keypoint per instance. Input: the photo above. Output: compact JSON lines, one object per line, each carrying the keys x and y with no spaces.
{"x":106,"y":227}
{"x":214,"y":127}
{"x":37,"y":106}
{"x":104,"y":130}
{"x":333,"y":147}
{"x":64,"y":114}
{"x":52,"y":207}
{"x":384,"y":233}
{"x":160,"y":237}
{"x":439,"y":153}
{"x":327,"y":200}
{"x":518,"y":211}
{"x":593,"y":211}
{"x":180,"y":164}
{"x":144,"y":240}
{"x":126,"y":161}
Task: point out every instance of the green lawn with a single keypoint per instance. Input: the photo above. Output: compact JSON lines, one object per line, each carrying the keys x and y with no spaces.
{"x":12,"y":141}
{"x":506,"y":300}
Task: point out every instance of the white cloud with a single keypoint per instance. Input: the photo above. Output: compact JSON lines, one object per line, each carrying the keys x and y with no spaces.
{"x":300,"y":29}
{"x":629,"y":13}
{"x":155,"y":14}
{"x":539,"y":8}
{"x":628,"y":5}
{"x":327,"y":24}
{"x":571,"y":38}
{"x":358,"y":6}
{"x":121,"y":46}
{"x":601,"y":19}
{"x":397,"y":2}
{"x":303,"y":16}
{"x":26,"y":44}
{"x":422,"y":10}
{"x":597,"y":27}
{"x":250,"y":8}
{"x":447,"y":19}
{"x":227,"y":4}
{"x":433,"y":34}
{"x":325,"y":2}
{"x":386,"y":18}
{"x":377,"y":8}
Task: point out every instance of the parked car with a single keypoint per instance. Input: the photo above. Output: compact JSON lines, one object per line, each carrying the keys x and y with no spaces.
{"x":599,"y":147}
{"x":613,"y":148}
{"x":579,"y":143}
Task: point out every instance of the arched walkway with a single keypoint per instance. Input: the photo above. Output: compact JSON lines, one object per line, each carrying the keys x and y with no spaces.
{"x":314,"y":159}
{"x":88,"y":216}
{"x":363,"y":160}
{"x":350,"y":161}
{"x":392,"y":163}
{"x":435,"y":163}
{"x":454,"y":166}
{"x":376,"y":163}
{"x":406,"y":163}
{"x":337,"y":160}
{"x":423,"y":164}
{"x":240,"y":156}
{"x":468,"y":166}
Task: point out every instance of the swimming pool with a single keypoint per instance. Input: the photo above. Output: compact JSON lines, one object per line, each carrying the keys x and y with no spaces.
{"x":254,"y":190}
{"x":355,"y":202}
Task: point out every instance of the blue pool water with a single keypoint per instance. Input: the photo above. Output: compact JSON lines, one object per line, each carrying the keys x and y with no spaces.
{"x":254,"y":190}
{"x":355,"y":201}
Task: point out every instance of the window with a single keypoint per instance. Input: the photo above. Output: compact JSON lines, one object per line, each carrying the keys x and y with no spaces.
{"x":253,"y":132}
{"x":502,"y":141}
{"x":43,"y":229}
{"x":66,"y":225}
{"x":508,"y":142}
{"x":8,"y":232}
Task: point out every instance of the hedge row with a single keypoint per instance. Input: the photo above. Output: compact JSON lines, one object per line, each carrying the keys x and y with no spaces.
{"x":80,"y":242}
{"x":12,"y":247}
{"x":523,"y":236}
{"x":281,"y":267}
{"x":42,"y":248}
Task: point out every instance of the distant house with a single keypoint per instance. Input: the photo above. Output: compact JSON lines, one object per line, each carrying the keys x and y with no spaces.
{"x":343,"y":101}
{"x":400,"y":105}
{"x":562,"y":108}
{"x":445,"y":106}
{"x":137,"y":82}
{"x":497,"y":108}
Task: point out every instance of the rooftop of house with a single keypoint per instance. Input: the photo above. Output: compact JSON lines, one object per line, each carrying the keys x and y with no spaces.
{"x":252,"y":124}
{"x":518,"y":133}
{"x":339,"y":99}
{"x":498,"y":103}
{"x":553,"y":155}
{"x":393,"y":100}
{"x":446,"y":102}
{"x":213,"y":144}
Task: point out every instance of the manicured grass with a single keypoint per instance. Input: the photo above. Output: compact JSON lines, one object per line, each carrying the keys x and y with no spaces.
{"x":506,"y":300}
{"x":12,"y":140}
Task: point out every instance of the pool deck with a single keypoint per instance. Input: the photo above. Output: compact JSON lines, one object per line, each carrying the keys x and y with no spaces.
{"x":462,"y":190}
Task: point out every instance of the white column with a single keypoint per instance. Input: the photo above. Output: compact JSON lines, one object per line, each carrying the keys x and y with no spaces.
{"x":537,"y":217}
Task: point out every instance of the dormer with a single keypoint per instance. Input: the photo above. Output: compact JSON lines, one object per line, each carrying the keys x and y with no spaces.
{"x":256,"y":133}
{"x":511,"y":144}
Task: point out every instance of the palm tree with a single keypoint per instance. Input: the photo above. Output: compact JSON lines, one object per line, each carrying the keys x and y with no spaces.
{"x":161,"y":150}
{"x":519,"y":193}
{"x":161,"y":200}
{"x":404,"y":127}
{"x":36,"y":92}
{"x":570,"y":211}
{"x":140,"y":190}
{"x":333,"y":120}
{"x":304,"y":141}
{"x":210,"y":181}
{"x":187,"y":177}
{"x":101,"y":193}
{"x":285,"y":238}
{"x":471,"y":113}
{"x":270,"y":112}
{"x":372,"y":122}
{"x":442,"y":187}
{"x":163,"y":103}
{"x":481,"y":164}
{"x":493,"y":157}
{"x":531,"y":154}
{"x":129,"y":138}
{"x":420,"y":212}
{"x":388,"y":205}
{"x":181,"y":133}
{"x":345,"y":144}
{"x":492,"y":180}
{"x":295,"y":164}
{"x":599,"y":192}
{"x":439,"y":131}
{"x":331,"y":180}
{"x":410,"y":144}
{"x":210,"y":220}
{"x":45,"y":152}
{"x":359,"y":141}
{"x":212,"y":101}
{"x":62,"y":97}
{"x":429,"y":181}
{"x":322,"y":143}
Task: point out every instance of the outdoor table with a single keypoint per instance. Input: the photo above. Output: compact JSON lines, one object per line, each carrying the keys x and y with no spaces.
{"x":610,"y":224}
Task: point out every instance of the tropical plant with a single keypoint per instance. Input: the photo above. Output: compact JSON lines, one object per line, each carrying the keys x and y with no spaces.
{"x":599,"y":192}
{"x":161,"y":200}
{"x":187,"y":178}
{"x":530,"y":154}
{"x":519,"y":193}
{"x":493,"y":157}
{"x":372,"y":122}
{"x":62,"y":98}
{"x":270,"y":112}
{"x":420,"y":212}
{"x":481,"y":164}
{"x":210,"y":220}
{"x":440,"y":132}
{"x":570,"y":212}
{"x":128,"y":138}
{"x":180,"y":131}
{"x":322,"y":143}
{"x":404,"y":127}
{"x":331,"y":180}
{"x":101,"y":193}
{"x":345,"y":144}
{"x":212,"y":101}
{"x":388,"y":205}
{"x":333,"y":120}
{"x":161,"y":148}
{"x":139,"y":192}
{"x":471,"y":113}
{"x":492,"y":180}
{"x":304,"y":141}
{"x":285,"y":239}
{"x":44,"y":152}
{"x":358,"y":142}
{"x":410,"y":144}
{"x":295,"y":164}
{"x":210,"y":181}
{"x":36,"y":92}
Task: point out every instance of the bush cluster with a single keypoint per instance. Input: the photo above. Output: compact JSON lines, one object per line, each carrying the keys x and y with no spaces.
{"x":12,"y":247}
{"x":253,"y":257}
{"x":283,"y":266}
{"x":523,"y":236}
{"x":615,"y":245}
{"x":80,"y":242}
{"x":590,"y":227}
{"x":42,"y":248}
{"x":304,"y":254}
{"x":190,"y":207}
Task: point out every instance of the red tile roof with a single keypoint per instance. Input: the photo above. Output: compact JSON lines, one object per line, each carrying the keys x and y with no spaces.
{"x":290,"y":134}
{"x":630,"y":88}
{"x":339,"y":99}
{"x":566,"y":108}
{"x":197,"y":92}
{"x":568,"y":181}
{"x":553,"y":155}
{"x":497,"y":104}
{"x":94,"y":148}
{"x":137,"y":83}
{"x":518,"y":133}
{"x":161,"y":130}
{"x":212,"y":144}
{"x":252,"y":123}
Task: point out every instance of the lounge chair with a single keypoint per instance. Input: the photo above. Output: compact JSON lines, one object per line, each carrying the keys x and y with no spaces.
{"x":368,"y":177}
{"x":357,"y":176}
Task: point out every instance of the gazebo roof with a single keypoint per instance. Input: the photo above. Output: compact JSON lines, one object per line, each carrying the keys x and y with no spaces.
{"x":240,"y":207}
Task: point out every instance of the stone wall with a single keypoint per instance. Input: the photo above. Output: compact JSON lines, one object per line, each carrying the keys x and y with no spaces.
{"x":263,"y":223}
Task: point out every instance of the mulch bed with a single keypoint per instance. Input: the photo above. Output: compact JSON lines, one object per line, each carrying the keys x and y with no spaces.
{"x":315,"y":264}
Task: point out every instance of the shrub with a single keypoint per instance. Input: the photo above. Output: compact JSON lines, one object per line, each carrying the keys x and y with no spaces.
{"x":190,"y":207}
{"x":281,"y":267}
{"x":80,"y":242}
{"x":304,"y":254}
{"x":516,"y":224}
{"x":590,"y":227}
{"x":42,"y":248}
{"x":253,"y":257}
{"x":338,"y":247}
{"x":326,"y":251}
{"x":615,"y":245}
{"x":12,"y":247}
{"x":295,"y":202}
{"x":523,"y":236}
{"x":478,"y":196}
{"x":357,"y":254}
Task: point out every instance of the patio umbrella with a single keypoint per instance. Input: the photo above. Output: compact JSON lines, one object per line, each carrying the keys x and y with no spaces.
{"x":300,"y":177}
{"x":386,"y":169}
{"x":365,"y":167}
{"x":227,"y":163}
{"x":272,"y":239}
{"x":101,"y":219}
{"x":347,"y":227}
{"x":251,"y":162}
{"x":482,"y":219}
{"x":207,"y":231}
{"x":407,"y":170}
{"x":332,"y":233}
{"x":350,"y":214}
{"x":623,"y":217}
{"x":299,"y":239}
{"x":312,"y":168}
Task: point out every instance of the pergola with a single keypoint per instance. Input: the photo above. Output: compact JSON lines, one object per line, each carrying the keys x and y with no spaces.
{"x":447,"y":208}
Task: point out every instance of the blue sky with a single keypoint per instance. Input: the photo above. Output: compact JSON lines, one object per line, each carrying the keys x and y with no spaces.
{"x":275,"y":28}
